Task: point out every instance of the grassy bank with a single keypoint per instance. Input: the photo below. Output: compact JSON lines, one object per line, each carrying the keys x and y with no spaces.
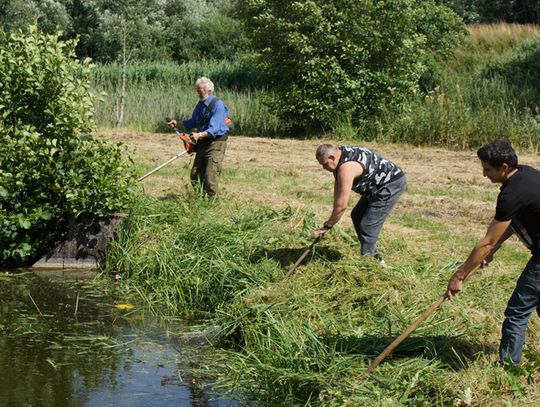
{"x":309,"y":339}
{"x":488,"y":89}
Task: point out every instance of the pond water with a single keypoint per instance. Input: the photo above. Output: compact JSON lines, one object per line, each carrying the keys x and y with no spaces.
{"x":63,"y":344}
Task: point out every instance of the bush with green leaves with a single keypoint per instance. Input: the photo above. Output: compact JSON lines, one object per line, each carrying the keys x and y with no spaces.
{"x":341,"y":61}
{"x":51,"y":166}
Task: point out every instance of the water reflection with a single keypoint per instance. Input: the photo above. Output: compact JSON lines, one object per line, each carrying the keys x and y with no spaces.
{"x":64,"y":345}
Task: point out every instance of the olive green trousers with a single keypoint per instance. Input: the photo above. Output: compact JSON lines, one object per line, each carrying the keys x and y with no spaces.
{"x":209,"y":155}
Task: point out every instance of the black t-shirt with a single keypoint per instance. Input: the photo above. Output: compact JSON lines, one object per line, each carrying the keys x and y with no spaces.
{"x":519,"y":201}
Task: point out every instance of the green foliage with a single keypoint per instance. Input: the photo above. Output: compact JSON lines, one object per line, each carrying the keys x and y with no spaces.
{"x":340,"y":62}
{"x":155,"y":30}
{"x":520,"y":68}
{"x":489,"y":90}
{"x":50,"y":15}
{"x":197,"y":30}
{"x":48,"y":169}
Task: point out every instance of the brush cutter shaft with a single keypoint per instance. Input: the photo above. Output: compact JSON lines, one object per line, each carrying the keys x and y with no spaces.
{"x":162,"y":165}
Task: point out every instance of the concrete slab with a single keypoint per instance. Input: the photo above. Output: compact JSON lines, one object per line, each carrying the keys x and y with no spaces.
{"x":85,"y":243}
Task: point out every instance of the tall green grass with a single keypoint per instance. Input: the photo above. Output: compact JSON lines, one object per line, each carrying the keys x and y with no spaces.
{"x":188,"y":257}
{"x":148,"y":104}
{"x":308,"y":340}
{"x":490,"y":90}
{"x":460,"y":114}
{"x":158,"y":90}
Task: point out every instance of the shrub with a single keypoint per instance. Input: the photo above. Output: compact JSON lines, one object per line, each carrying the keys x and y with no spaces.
{"x":342,"y":61}
{"x":51,"y":166}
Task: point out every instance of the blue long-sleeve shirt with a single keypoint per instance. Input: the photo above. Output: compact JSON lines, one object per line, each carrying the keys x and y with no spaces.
{"x":216,"y":126}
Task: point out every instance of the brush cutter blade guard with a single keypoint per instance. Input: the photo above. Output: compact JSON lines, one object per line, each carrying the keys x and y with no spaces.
{"x":189,"y":144}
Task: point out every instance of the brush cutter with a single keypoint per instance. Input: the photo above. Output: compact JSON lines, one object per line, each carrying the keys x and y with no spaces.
{"x":409,"y":330}
{"x":301,"y":258}
{"x":189,"y":145}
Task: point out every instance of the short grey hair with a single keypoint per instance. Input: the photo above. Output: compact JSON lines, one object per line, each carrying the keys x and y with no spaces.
{"x":324,"y":150}
{"x":209,"y":85}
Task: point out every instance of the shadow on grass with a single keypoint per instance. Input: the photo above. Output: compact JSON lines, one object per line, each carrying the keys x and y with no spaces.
{"x":171,"y":197}
{"x":287,"y":257}
{"x":455,"y":352}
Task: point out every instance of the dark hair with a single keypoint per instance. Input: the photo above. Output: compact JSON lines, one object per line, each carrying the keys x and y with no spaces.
{"x":497,"y":153}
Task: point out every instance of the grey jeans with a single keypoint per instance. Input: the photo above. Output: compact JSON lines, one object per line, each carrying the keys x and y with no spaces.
{"x":370,"y":212}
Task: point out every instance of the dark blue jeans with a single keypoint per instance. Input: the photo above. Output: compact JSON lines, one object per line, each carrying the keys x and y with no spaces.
{"x":522,"y":303}
{"x":369,"y":214}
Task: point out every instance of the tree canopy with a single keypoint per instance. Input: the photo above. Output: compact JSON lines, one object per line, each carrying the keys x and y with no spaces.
{"x":339,"y":62}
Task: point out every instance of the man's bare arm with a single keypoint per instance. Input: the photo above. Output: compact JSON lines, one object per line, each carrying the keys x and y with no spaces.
{"x":345,"y":177}
{"x":496,"y":234}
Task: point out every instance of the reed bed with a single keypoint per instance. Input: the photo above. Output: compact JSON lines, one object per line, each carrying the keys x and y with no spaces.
{"x":148,"y":104}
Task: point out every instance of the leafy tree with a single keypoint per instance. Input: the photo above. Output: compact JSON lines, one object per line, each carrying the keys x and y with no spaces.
{"x":51,"y":15}
{"x":341,"y":61}
{"x":207,"y":29}
{"x":51,"y":167}
{"x":466,"y":9}
{"x":133,"y":29}
{"x":85,"y":23}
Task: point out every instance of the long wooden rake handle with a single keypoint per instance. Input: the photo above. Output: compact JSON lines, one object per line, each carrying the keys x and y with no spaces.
{"x":301,"y":258}
{"x":406,"y":333}
{"x":411,"y":328}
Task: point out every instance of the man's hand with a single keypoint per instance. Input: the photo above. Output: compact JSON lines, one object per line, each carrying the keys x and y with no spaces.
{"x":197,"y":136}
{"x":172,"y":123}
{"x":488,"y":259}
{"x":454,"y":286}
{"x":322,"y":231}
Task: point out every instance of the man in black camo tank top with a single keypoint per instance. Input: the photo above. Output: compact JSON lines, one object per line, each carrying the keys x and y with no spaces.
{"x":379,"y":181}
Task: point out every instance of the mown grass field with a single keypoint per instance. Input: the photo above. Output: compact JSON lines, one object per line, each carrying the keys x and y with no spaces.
{"x":309,"y":339}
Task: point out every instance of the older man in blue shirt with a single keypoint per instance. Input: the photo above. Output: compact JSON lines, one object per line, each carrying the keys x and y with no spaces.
{"x":208,"y":118}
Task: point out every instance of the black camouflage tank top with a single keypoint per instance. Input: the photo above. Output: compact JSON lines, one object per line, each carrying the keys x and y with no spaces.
{"x":377,"y":170}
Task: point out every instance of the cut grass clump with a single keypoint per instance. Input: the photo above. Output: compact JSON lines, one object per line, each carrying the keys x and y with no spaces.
{"x":313,"y":337}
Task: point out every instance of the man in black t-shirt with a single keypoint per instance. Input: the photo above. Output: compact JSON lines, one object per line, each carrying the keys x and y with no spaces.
{"x":517,"y":211}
